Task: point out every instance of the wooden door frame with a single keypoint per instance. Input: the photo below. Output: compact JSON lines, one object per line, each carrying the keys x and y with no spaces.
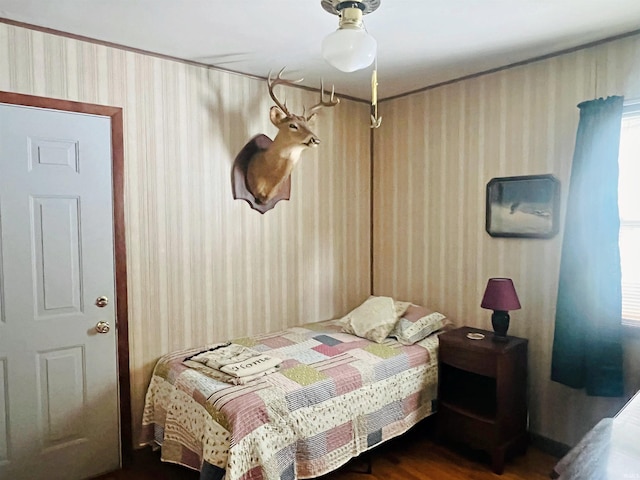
{"x":117,"y":165}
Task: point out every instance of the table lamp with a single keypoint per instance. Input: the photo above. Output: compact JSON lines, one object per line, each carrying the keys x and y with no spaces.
{"x":500,"y":296}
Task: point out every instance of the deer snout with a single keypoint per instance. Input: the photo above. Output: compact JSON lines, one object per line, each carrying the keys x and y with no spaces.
{"x":313,"y":142}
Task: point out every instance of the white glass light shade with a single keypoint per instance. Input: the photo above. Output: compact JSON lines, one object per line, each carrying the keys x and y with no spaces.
{"x":349,"y":49}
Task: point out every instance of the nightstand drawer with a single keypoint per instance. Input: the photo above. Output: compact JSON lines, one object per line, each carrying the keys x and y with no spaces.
{"x":482,"y":363}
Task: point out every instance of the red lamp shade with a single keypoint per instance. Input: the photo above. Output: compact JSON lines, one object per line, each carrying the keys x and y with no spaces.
{"x":500,"y":294}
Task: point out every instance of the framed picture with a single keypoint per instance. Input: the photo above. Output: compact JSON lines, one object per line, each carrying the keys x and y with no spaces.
{"x":525,"y":206}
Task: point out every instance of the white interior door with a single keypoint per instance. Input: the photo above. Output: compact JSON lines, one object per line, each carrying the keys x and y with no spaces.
{"x":58,"y":376}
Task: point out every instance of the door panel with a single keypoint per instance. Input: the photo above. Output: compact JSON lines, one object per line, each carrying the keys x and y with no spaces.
{"x":61,"y":390}
{"x":60,"y":152}
{"x":56,"y":232}
{"x":4,"y":414}
{"x":56,"y":225}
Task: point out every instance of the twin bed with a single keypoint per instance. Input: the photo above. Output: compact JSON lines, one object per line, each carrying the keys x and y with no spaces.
{"x":334,"y":396}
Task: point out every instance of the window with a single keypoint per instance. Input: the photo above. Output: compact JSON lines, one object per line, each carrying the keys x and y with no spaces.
{"x":629,"y":205}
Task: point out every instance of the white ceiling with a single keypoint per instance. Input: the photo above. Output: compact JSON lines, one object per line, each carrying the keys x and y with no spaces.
{"x":420,"y":42}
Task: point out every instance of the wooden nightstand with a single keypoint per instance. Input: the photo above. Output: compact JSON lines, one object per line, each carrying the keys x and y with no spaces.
{"x":482,"y":393}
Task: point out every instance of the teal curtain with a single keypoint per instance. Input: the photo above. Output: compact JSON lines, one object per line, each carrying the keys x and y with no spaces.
{"x":587,"y":350}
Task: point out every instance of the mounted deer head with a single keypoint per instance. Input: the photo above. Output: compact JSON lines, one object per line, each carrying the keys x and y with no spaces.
{"x":268,"y":169}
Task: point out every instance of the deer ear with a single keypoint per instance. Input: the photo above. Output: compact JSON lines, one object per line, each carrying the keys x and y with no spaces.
{"x":276,"y":115}
{"x":311,"y":117}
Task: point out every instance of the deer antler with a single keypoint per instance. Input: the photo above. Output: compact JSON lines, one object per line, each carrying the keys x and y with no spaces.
{"x":280,"y":81}
{"x":331,"y":102}
{"x":269,"y":167}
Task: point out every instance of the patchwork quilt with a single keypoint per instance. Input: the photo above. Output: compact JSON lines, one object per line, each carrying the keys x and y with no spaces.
{"x":334,"y":396}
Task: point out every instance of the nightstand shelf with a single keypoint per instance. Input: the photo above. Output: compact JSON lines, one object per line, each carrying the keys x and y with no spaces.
{"x":469,"y":412}
{"x":482,"y":392}
{"x":466,"y":391}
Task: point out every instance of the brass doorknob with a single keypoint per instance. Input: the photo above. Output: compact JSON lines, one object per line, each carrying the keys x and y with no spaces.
{"x":102,"y":327}
{"x":102,"y":302}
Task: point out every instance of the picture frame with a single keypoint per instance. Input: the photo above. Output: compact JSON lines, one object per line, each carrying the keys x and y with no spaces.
{"x":524,"y":206}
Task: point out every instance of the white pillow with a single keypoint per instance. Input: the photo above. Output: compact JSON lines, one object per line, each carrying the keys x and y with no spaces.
{"x":373,"y":320}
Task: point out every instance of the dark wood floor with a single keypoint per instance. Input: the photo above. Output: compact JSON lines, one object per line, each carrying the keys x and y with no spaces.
{"x":414,"y":456}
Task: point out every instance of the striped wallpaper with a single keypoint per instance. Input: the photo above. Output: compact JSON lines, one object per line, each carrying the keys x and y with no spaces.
{"x":432,"y":161}
{"x":204,"y":267}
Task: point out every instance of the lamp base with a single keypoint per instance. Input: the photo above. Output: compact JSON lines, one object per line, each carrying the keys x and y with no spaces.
{"x":500,"y":323}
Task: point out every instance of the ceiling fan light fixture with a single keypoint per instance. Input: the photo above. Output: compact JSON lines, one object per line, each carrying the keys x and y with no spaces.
{"x":350,"y":47}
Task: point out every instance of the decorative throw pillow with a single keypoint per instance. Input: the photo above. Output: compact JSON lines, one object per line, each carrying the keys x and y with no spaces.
{"x":417,"y":323}
{"x":401,"y":307}
{"x":373,"y":320}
